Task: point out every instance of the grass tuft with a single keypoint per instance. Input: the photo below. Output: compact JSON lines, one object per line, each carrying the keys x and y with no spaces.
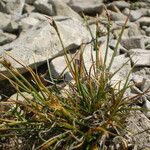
{"x":89,"y":115}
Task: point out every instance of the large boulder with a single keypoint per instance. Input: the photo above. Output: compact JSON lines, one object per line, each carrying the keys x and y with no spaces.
{"x":41,"y":42}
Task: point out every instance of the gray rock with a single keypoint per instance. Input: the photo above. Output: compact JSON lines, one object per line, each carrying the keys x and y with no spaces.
{"x":22,"y":97}
{"x":66,"y":1}
{"x":62,"y":9}
{"x":28,"y":8}
{"x":121,"y":23}
{"x":2,"y":6}
{"x":138,"y":80}
{"x":102,"y":49}
{"x":6,"y":38}
{"x":148,"y":31}
{"x":133,"y":42}
{"x":30,"y":1}
{"x":122,"y":74}
{"x":13,"y":7}
{"x":117,"y":32}
{"x":147,"y":47}
{"x":145,"y":84}
{"x":126,"y":11}
{"x":144,"y":21}
{"x":38,"y":16}
{"x":28,"y":22}
{"x":134,"y":30}
{"x":145,"y":12}
{"x":136,"y":123}
{"x":140,"y":57}
{"x":135,"y":15}
{"x":117,"y":16}
{"x":57,"y":67}
{"x":87,"y":7}
{"x":138,"y":5}
{"x":5,"y":20}
{"x":12,"y":27}
{"x":44,"y":7}
{"x":120,"y":4}
{"x":147,"y":1}
{"x":41,"y":42}
{"x":121,"y":49}
{"x":142,"y":71}
{"x":147,"y":107}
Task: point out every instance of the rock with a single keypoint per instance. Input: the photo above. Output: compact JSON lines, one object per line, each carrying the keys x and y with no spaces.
{"x":147,"y":45}
{"x":13,"y":7}
{"x":114,"y":8}
{"x":120,"y":4}
{"x":30,"y":1}
{"x":147,"y":13}
{"x":62,"y":9}
{"x":6,"y":38}
{"x":116,"y":33}
{"x":142,"y":71}
{"x":28,"y":22}
{"x":59,"y":64}
{"x":146,"y":1}
{"x":12,"y":27}
{"x":28,"y":9}
{"x":88,"y":51}
{"x":41,"y":42}
{"x":140,"y":57}
{"x":2,"y":6}
{"x":135,"y":15}
{"x":20,"y":97}
{"x":138,"y":5}
{"x":147,"y":107}
{"x":145,"y":84}
{"x":44,"y":7}
{"x":133,"y":42}
{"x":134,"y":30}
{"x":138,"y":80}
{"x":6,"y":19}
{"x":57,"y":67}
{"x":117,"y":16}
{"x":148,"y":31}
{"x":126,"y":11}
{"x":144,"y":21}
{"x":137,"y":126}
{"x":66,"y":1}
{"x":122,"y":23}
{"x":88,"y":7}
{"x":38,"y":16}
{"x":122,"y":74}
{"x":103,"y":46}
{"x":121,"y":49}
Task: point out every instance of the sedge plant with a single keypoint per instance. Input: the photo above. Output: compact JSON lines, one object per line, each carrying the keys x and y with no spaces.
{"x":90,"y":115}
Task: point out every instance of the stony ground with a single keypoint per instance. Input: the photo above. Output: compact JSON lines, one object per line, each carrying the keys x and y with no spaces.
{"x":26,"y":34}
